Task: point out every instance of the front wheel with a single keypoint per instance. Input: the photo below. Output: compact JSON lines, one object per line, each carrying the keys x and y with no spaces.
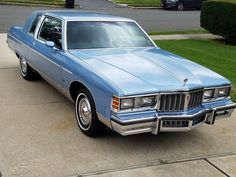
{"x":179,"y":5}
{"x":86,"y":115}
{"x":26,"y":71}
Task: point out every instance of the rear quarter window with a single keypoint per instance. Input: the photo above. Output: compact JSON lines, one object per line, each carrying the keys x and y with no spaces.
{"x":34,"y":24}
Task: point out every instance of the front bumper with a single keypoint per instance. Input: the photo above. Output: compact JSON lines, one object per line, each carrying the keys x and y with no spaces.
{"x":171,"y":123}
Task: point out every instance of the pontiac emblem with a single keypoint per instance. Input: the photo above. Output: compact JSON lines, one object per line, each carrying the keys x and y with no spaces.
{"x":185,"y":80}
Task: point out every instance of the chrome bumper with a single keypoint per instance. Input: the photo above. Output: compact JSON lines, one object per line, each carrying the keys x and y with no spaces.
{"x":171,"y":123}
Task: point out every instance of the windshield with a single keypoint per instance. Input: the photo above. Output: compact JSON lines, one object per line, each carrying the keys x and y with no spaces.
{"x":91,"y":35}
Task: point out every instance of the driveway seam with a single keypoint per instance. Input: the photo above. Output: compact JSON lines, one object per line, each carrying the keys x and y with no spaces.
{"x":156,"y":163}
{"x":35,"y":104}
{"x":9,"y":68}
{"x":216,"y":167}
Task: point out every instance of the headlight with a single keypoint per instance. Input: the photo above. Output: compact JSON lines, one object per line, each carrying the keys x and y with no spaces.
{"x":144,"y":101}
{"x":208,"y":94}
{"x":133,"y":102}
{"x":211,"y":94}
{"x":223,"y":92}
{"x":127,"y":103}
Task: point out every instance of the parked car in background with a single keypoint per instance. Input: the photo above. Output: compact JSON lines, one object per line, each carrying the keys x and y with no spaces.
{"x":116,"y":75}
{"x":181,"y":4}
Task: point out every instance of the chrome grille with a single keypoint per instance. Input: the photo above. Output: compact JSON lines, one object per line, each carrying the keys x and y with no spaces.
{"x":172,"y":102}
{"x":195,"y":99}
{"x":180,"y":101}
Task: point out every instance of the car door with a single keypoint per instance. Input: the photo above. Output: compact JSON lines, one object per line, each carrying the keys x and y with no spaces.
{"x":192,"y":3}
{"x":47,"y":59}
{"x":29,"y":38}
{"x":198,"y":3}
{"x":188,"y":3}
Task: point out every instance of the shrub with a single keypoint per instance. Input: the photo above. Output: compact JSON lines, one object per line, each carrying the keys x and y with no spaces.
{"x":219,"y":17}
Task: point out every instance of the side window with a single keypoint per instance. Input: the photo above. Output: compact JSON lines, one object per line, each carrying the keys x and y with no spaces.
{"x":34,"y":24}
{"x":51,"y":31}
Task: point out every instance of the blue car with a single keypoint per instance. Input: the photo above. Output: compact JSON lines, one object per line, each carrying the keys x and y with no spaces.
{"x":116,"y":75}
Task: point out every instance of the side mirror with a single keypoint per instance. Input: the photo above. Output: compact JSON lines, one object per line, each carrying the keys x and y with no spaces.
{"x":50,"y":44}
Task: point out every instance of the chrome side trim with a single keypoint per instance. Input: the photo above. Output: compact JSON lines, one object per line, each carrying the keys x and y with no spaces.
{"x":38,"y":26}
{"x":104,"y":120}
{"x":65,"y":35}
{"x":66,"y":70}
{"x":36,"y":37}
{"x":146,"y":34}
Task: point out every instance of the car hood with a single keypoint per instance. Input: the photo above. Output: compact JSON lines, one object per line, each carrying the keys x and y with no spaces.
{"x":146,"y":70}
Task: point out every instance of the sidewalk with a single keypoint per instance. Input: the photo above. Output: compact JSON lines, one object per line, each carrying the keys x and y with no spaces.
{"x":206,"y":167}
{"x":185,"y":36}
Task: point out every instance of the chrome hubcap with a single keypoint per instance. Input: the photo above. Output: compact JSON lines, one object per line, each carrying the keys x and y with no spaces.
{"x":85,"y":113}
{"x":23,"y":65}
{"x":180,"y":6}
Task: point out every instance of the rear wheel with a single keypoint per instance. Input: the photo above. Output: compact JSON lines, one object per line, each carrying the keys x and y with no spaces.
{"x":86,"y":115}
{"x":179,"y":5}
{"x":25,"y":70}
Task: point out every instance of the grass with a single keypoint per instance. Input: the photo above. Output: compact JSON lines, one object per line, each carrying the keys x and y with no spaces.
{"x":215,"y":55}
{"x":198,"y":31}
{"x":141,"y":3}
{"x":36,"y":2}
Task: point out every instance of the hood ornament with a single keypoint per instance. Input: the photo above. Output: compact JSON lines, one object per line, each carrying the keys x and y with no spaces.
{"x":185,"y":80}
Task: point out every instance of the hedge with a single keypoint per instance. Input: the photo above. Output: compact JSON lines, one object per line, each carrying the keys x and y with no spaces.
{"x":219,"y":17}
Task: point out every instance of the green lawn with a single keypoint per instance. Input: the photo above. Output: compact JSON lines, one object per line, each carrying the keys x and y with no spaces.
{"x":213,"y":54}
{"x":45,"y":2}
{"x":139,"y":2}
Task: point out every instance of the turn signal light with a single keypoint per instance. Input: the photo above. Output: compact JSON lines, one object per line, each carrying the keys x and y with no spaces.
{"x":115,"y":103}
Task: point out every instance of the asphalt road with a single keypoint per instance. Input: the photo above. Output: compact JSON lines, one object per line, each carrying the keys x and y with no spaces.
{"x":150,"y":19}
{"x":95,"y":4}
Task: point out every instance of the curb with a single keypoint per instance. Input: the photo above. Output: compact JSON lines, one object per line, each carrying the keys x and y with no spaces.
{"x":117,"y":5}
{"x":134,"y":7}
{"x":35,"y":5}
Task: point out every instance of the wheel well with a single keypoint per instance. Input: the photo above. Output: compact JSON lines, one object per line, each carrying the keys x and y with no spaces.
{"x":179,"y":1}
{"x":74,"y":88}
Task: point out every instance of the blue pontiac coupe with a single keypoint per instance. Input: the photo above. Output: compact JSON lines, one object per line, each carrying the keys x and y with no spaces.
{"x":116,"y":75}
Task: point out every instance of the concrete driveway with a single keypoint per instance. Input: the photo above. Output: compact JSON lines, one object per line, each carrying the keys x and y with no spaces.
{"x":39,"y":137}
